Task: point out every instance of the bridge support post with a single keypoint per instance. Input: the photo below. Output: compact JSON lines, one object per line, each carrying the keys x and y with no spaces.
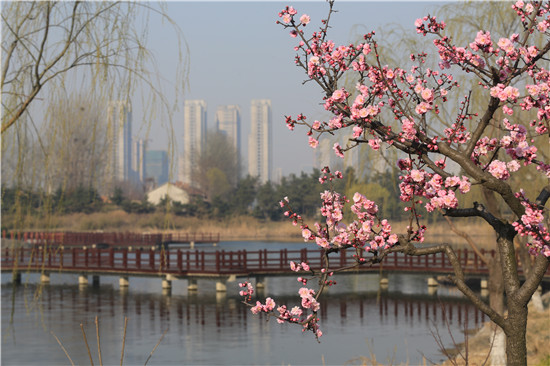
{"x":123,"y":282}
{"x":192,"y":245}
{"x":484,"y":284}
{"x":95,"y":280}
{"x":82,"y":279}
{"x":192,"y":285}
{"x":432,"y":286}
{"x":260,"y":282}
{"x":167,"y":283}
{"x":384,"y":283}
{"x":45,"y":278}
{"x":16,"y":278}
{"x":221,"y":285}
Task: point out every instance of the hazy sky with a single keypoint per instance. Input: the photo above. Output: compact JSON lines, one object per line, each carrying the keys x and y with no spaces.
{"x":237,"y":53}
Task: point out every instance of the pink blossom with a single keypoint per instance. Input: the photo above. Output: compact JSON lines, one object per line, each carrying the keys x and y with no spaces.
{"x":269,"y":304}
{"x":507,"y":110}
{"x":543,"y":26}
{"x":483,"y":38}
{"x":417,"y":175}
{"x":306,"y":233}
{"x":374,"y":144}
{"x":256,"y":309}
{"x":427,"y":94}
{"x":422,"y":108}
{"x":339,"y":95}
{"x":357,"y":131}
{"x":498,"y":169}
{"x":338,"y":150}
{"x":322,"y":242}
{"x":296,"y":311}
{"x":313,"y":142}
{"x":304,"y":19}
{"x":465,"y":185}
{"x":506,"y":45}
{"x":513,"y":166}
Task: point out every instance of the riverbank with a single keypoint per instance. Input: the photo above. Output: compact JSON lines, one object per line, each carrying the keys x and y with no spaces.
{"x":538,"y":339}
{"x":235,"y":228}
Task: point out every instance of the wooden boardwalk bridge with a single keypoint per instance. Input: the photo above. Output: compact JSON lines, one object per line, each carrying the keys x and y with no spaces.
{"x":126,"y":259}
{"x":105,"y":240}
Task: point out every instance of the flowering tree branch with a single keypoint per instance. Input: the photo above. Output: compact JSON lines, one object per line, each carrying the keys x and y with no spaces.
{"x":399,"y":107}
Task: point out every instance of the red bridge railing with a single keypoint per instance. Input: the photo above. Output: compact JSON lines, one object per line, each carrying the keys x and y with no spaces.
{"x":221,"y":262}
{"x":119,"y":239}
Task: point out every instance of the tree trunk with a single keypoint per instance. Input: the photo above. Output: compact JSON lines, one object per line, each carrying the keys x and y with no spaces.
{"x":496,"y":301}
{"x":516,"y":327}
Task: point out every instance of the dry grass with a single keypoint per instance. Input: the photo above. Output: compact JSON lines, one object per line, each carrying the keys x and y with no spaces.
{"x":538,"y":339}
{"x":234,"y":228}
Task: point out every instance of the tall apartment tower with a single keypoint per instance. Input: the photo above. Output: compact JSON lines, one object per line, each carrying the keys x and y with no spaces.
{"x":194,"y":138}
{"x":228,"y":120}
{"x":260,"y":140}
{"x":119,"y":127}
{"x":139,"y":161}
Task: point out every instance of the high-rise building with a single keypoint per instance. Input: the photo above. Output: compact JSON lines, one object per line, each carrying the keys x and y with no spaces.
{"x":157,"y":166}
{"x":119,"y":132}
{"x":139,"y":161}
{"x":228,"y":120}
{"x":194,"y":138}
{"x":260,"y":140}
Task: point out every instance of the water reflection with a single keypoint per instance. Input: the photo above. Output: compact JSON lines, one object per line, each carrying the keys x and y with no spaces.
{"x":206,"y":327}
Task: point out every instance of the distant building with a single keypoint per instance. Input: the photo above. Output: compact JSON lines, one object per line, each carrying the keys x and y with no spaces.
{"x":139,"y":161}
{"x":194,"y":138}
{"x":260,"y":140}
{"x":157,"y":166}
{"x":119,"y":135}
{"x":174,"y":193}
{"x":228,"y":121}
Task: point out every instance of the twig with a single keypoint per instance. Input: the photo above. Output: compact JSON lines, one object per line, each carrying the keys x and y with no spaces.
{"x":123,"y":340}
{"x":468,"y":239}
{"x":98,"y":344}
{"x":151,"y":354}
{"x":87,"y":346}
{"x":63,"y":348}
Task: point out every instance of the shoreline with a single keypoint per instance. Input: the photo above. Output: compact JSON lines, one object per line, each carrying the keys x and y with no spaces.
{"x":241,"y":228}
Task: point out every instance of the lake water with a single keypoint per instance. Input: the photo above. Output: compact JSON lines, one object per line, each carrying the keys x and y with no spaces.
{"x":208,"y":328}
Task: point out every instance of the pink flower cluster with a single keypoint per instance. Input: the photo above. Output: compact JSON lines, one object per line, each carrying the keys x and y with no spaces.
{"x":532,"y":224}
{"x":298,"y":267}
{"x":441,"y":193}
{"x":298,"y":315}
{"x":266,"y":308}
{"x":248,"y":291}
{"x":516,"y":144}
{"x":498,"y":170}
{"x":505,"y":93}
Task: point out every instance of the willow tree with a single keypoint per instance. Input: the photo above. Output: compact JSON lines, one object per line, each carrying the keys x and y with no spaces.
{"x":52,"y":50}
{"x":44,"y":44}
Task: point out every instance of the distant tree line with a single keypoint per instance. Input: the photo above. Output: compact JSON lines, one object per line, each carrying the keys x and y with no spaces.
{"x":248,"y":197}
